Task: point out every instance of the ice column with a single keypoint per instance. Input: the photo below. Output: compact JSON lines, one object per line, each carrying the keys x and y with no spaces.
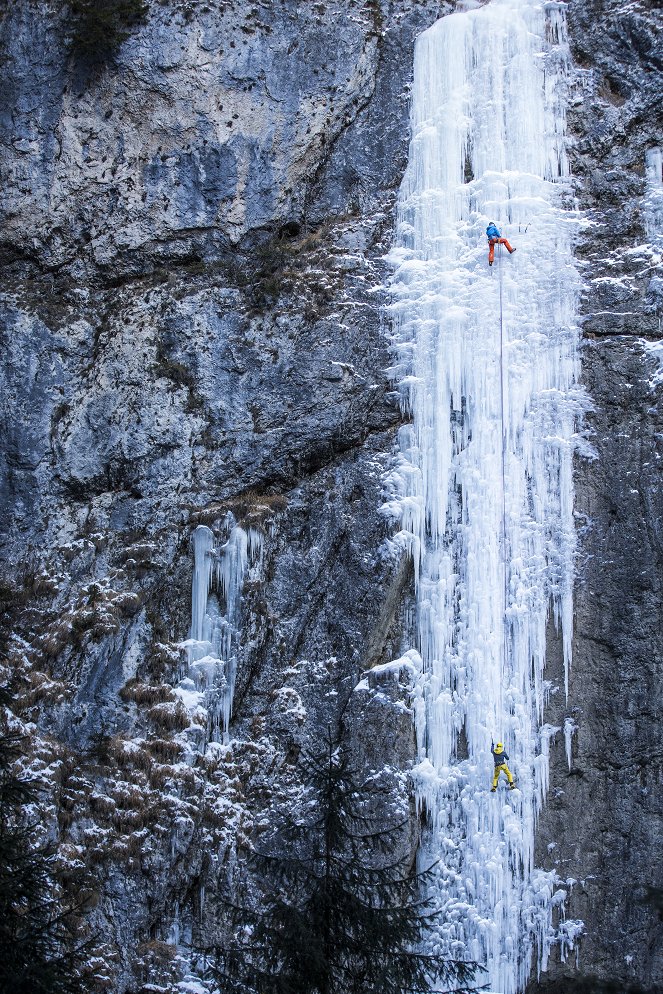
{"x":203,"y":545}
{"x":212,"y":647}
{"x":487,"y":366}
{"x":653,"y":206}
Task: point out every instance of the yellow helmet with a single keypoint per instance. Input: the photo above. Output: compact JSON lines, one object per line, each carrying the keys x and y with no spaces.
{"x":499,"y":747}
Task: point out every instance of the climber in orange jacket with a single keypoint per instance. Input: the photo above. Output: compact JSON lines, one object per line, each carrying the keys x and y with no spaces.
{"x":500,"y":757}
{"x":494,"y":238}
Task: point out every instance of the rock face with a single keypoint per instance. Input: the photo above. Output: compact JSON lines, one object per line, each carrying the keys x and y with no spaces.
{"x":193,"y":329}
{"x":604,"y":813}
{"x":193,"y":244}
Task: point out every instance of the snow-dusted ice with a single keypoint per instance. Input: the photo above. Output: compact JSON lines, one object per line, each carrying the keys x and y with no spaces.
{"x":487,"y":365}
{"x":212,"y":648}
{"x":653,"y":205}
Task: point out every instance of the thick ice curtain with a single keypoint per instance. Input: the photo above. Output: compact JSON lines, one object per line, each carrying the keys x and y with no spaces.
{"x":487,"y":365}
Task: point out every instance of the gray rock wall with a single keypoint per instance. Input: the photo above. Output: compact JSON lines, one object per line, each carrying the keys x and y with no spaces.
{"x":604,"y":814}
{"x":192,"y":239}
{"x":193,"y":242}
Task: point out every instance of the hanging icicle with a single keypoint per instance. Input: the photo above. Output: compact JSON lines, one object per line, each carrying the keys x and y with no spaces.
{"x":213,"y":645}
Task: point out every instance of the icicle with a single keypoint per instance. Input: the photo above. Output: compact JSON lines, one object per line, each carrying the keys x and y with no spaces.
{"x":482,"y":490}
{"x":174,"y":934}
{"x":653,"y":205}
{"x":203,"y":543}
{"x":570,"y":728}
{"x":212,"y":648}
{"x":255,"y":541}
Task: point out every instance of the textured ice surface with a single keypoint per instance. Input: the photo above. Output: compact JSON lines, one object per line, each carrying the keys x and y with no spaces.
{"x":486,"y":362}
{"x":653,"y":206}
{"x":212,"y":648}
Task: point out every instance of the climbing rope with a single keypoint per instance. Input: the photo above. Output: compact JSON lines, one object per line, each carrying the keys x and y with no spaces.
{"x":504,"y":442}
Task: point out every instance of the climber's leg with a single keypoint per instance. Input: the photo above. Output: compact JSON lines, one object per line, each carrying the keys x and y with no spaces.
{"x":507,"y":771}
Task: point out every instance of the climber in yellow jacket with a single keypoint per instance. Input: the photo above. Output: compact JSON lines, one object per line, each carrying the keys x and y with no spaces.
{"x":500,"y":757}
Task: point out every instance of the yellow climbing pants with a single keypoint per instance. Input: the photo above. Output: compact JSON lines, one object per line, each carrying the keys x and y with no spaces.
{"x":502,"y":768}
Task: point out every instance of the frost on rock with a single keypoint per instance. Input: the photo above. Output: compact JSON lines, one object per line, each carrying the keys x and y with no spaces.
{"x":482,"y":491}
{"x":212,"y":648}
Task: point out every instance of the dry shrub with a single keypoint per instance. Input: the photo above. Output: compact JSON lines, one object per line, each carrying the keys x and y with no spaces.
{"x":156,"y":953}
{"x":104,"y":626}
{"x":124,"y":753}
{"x":164,"y":750}
{"x":172,"y":717}
{"x":140,"y":552}
{"x":12,"y":596}
{"x":57,"y":637}
{"x":43,"y":689}
{"x":102,"y":983}
{"x":140,"y":558}
{"x":117,"y":851}
{"x":165,"y":654}
{"x":188,"y":779}
{"x":68,"y":855}
{"x":126,"y":822}
{"x":258,"y":726}
{"x":97,"y":621}
{"x":214,"y":817}
{"x":96,"y":855}
{"x":97,"y":845}
{"x":128,"y":603}
{"x":160,"y":776}
{"x":209,"y":763}
{"x":165,"y":779}
{"x":147,"y":693}
{"x":127,"y":797}
{"x":101,"y":805}
{"x":250,"y":508}
{"x":164,"y":659}
{"x":135,"y":843}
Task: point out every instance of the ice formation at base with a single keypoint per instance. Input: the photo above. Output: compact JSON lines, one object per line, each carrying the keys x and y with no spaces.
{"x":212,"y":647}
{"x":487,"y":365}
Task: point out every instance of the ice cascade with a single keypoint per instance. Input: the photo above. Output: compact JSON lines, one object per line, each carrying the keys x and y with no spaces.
{"x":487,"y":369}
{"x":212,"y":648}
{"x":653,"y":206}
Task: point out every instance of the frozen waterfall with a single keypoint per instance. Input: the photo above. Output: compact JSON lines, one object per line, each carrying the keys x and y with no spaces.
{"x":213,"y":645}
{"x":487,"y":366}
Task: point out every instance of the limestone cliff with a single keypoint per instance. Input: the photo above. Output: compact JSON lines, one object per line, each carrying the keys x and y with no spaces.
{"x":604,"y":814}
{"x":193,"y":331}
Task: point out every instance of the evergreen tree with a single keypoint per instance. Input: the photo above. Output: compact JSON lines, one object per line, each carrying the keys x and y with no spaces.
{"x":338,"y":916}
{"x":38,"y":950}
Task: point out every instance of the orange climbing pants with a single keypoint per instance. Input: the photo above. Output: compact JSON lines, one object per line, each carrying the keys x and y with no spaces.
{"x":491,"y":251}
{"x":502,"y":768}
